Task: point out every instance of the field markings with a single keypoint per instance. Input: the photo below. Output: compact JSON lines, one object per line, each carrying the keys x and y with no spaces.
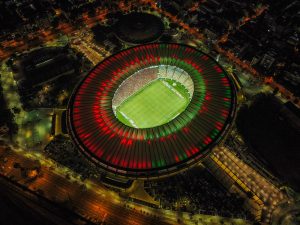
{"x":129,"y":120}
{"x":153,"y":105}
{"x":172,"y":89}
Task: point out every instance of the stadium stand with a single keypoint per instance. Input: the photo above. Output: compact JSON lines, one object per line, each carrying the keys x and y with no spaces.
{"x":133,"y":84}
{"x":177,"y":74}
{"x":143,"y":77}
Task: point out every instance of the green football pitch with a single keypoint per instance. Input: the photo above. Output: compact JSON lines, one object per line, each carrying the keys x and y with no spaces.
{"x":155,"y":104}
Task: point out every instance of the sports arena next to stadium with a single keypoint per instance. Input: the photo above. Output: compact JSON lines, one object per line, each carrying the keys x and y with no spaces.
{"x":151,"y":110}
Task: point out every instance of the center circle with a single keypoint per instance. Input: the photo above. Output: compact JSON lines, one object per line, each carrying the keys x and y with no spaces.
{"x":153,"y":96}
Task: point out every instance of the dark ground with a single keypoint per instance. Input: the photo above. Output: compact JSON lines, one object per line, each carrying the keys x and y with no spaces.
{"x":18,"y":207}
{"x":273,"y":132}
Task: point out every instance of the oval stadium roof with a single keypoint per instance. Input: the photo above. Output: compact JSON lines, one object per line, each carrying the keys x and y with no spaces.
{"x":157,"y":151}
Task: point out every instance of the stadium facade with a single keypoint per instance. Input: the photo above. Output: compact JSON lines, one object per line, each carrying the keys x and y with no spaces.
{"x":128,"y":147}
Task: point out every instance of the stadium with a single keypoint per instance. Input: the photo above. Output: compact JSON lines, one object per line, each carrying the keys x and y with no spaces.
{"x":138,"y":28}
{"x":151,"y":110}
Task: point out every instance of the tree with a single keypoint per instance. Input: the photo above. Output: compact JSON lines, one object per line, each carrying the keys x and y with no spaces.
{"x":55,"y":22}
{"x":275,"y":92}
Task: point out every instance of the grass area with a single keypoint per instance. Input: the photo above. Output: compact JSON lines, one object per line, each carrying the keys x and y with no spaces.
{"x":155,"y":104}
{"x":35,"y":125}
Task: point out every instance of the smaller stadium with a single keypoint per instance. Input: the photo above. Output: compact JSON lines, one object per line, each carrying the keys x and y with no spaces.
{"x":139,"y":28}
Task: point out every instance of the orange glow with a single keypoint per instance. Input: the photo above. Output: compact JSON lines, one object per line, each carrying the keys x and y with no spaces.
{"x":32,"y":173}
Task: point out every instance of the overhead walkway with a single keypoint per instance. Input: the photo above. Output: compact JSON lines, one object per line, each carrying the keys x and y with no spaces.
{"x":262,"y":196}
